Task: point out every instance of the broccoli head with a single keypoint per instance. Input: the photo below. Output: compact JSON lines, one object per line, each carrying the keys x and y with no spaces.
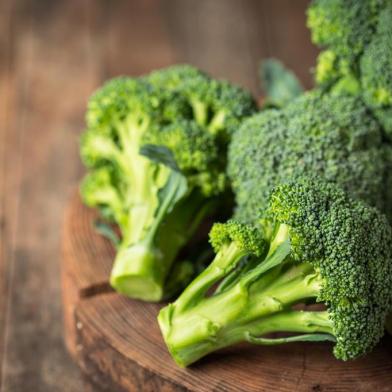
{"x":343,"y":28}
{"x":376,"y":72}
{"x":329,"y":135}
{"x":356,"y":36}
{"x":312,"y":244}
{"x":155,"y":169}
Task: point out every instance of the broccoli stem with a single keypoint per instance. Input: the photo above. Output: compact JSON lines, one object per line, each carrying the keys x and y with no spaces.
{"x":224,"y":262}
{"x":150,"y":246}
{"x":143,"y":259}
{"x":217,"y":122}
{"x":200,"y":111}
{"x":259,"y":303}
{"x":297,"y":321}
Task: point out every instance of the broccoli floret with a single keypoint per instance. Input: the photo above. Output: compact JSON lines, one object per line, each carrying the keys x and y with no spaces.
{"x":335,"y":74}
{"x":357,"y":38}
{"x":155,"y":170}
{"x":195,"y":151}
{"x":318,"y":246}
{"x":343,"y":28}
{"x":331,"y":136}
{"x":216,"y":104}
{"x":376,"y":72}
{"x":98,"y":189}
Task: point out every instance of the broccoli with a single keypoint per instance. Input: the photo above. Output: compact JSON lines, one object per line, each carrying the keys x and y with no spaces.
{"x":343,"y":28}
{"x":156,"y":169}
{"x":217,"y":105}
{"x":376,"y":71}
{"x":357,"y":59}
{"x":312,"y":244}
{"x":335,"y":74}
{"x":332,"y":136}
{"x":357,"y":38}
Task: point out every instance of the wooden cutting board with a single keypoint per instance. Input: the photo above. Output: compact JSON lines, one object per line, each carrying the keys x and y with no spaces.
{"x":117,"y":343}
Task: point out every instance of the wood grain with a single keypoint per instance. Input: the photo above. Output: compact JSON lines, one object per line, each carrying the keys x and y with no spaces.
{"x":118,"y":344}
{"x":228,"y":38}
{"x":53,"y":55}
{"x":45,"y":134}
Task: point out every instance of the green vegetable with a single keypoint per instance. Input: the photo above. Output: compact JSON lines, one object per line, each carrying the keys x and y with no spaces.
{"x":344,"y":28}
{"x":356,"y":36}
{"x":328,"y":135}
{"x":312,"y":244}
{"x":156,"y":155}
{"x":280,"y":85}
{"x":376,"y":71}
{"x":216,"y":105}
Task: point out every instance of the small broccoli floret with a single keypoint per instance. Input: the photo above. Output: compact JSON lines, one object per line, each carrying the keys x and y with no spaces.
{"x":322,"y":247}
{"x":327,"y":70}
{"x":156,"y":170}
{"x":98,"y":190}
{"x":244,"y":238}
{"x":376,"y":71}
{"x":336,"y":74}
{"x":330,"y":135}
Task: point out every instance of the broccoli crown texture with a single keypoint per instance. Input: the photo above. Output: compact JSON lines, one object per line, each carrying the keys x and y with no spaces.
{"x":332,"y":136}
{"x":356,"y":36}
{"x":318,"y":246}
{"x":336,"y":74}
{"x":196,"y":153}
{"x":216,"y":104}
{"x":344,"y":26}
{"x":122,"y":97}
{"x":376,"y":71}
{"x":155,"y":168}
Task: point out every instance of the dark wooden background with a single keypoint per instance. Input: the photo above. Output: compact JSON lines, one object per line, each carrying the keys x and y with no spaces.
{"x":53,"y":54}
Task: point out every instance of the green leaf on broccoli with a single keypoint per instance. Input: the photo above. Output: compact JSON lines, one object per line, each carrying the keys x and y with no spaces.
{"x":280,"y":85}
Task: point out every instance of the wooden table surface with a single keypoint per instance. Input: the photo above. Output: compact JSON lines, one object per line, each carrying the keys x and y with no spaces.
{"x":53,"y":54}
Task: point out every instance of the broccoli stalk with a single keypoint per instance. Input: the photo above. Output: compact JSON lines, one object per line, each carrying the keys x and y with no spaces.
{"x":316,"y":249}
{"x":141,"y":266}
{"x":153,"y":237}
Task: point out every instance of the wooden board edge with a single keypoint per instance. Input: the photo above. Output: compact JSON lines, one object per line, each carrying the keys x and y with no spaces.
{"x":108,"y":367}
